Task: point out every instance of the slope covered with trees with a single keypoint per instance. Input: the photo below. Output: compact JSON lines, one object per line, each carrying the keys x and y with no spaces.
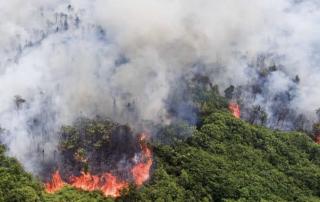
{"x":230,"y":160}
{"x":15,"y":183}
{"x":221,"y":159}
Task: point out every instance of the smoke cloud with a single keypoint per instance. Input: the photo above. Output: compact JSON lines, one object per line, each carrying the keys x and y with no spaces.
{"x":122,"y":59}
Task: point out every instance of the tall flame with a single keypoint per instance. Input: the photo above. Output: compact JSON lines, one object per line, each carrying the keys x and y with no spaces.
{"x":113,"y":186}
{"x":55,"y":184}
{"x":141,"y":171}
{"x":234,"y":109}
{"x":107,"y":183}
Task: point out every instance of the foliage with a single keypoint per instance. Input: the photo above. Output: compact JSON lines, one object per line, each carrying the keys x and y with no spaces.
{"x":94,"y":144}
{"x":230,"y":160}
{"x":223,"y":159}
{"x":69,"y":194}
{"x":15,"y":184}
{"x":175,"y":132}
{"x":208,"y":101}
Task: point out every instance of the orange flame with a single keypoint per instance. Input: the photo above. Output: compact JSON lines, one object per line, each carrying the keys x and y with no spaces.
{"x":107,"y":183}
{"x":55,"y":184}
{"x":113,"y":186}
{"x":85,"y":181}
{"x":141,"y":171}
{"x":234,"y":109}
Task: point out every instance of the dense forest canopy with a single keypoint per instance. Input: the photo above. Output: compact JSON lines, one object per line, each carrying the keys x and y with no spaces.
{"x":223,"y":158}
{"x":159,"y":100}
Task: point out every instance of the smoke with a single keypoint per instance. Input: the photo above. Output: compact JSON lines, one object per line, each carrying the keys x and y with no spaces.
{"x":122,"y":59}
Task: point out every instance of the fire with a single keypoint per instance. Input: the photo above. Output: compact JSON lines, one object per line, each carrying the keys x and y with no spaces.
{"x":55,"y":184}
{"x":113,"y":186}
{"x":85,"y":181}
{"x":234,"y":109}
{"x":141,"y":171}
{"x":107,"y":183}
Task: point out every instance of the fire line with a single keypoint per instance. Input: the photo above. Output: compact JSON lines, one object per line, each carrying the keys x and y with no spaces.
{"x":107,"y":183}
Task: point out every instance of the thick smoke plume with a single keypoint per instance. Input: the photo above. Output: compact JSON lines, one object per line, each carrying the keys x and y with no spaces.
{"x":64,"y":59}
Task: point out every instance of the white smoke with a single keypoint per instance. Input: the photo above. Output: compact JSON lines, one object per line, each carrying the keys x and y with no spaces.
{"x":121,"y":58}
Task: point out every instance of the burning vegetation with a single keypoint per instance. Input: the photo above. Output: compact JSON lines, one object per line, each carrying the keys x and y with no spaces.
{"x":111,"y":162}
{"x":101,"y":156}
{"x":127,"y":74}
{"x":234,"y":109}
{"x":107,"y":183}
{"x":55,"y":184}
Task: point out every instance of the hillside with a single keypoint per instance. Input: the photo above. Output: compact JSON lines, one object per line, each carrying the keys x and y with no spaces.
{"x":230,"y":160}
{"x":184,"y":100}
{"x":225,"y":159}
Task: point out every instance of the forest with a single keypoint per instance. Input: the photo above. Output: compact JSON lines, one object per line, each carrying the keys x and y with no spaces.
{"x":221,"y":158}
